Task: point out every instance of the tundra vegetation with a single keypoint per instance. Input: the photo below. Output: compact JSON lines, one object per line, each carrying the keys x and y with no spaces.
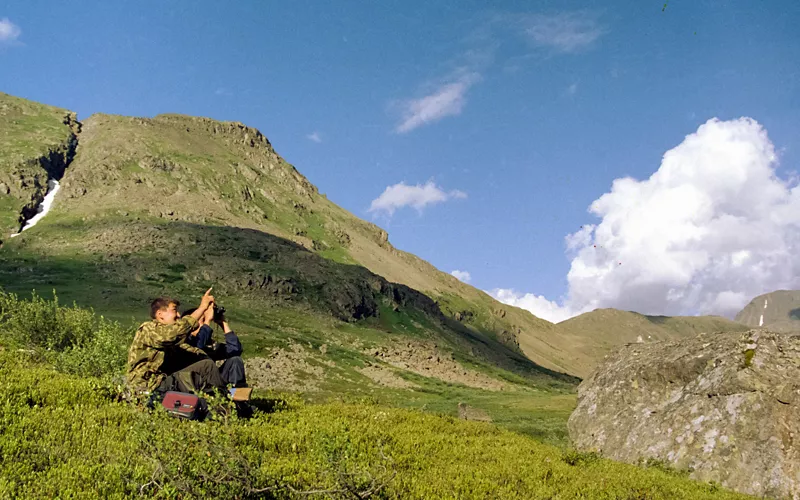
{"x":73,"y":436}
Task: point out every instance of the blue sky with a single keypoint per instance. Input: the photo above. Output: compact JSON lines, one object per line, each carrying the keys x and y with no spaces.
{"x":517,"y":117}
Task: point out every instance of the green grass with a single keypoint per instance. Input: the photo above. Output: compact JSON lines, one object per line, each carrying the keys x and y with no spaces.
{"x":27,"y":129}
{"x":59,"y":434}
{"x":392,"y":442}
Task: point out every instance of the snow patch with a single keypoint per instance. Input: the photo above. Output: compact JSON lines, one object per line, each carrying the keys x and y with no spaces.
{"x":44,"y":206}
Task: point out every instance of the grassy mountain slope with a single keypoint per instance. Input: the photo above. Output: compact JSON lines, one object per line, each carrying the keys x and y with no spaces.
{"x":596,"y":333}
{"x":778,"y":310}
{"x":176,"y":204}
{"x":132,"y":174}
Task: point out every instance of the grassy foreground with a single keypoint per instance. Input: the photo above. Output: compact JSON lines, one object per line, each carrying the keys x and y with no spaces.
{"x":66,"y":437}
{"x":65,"y":432}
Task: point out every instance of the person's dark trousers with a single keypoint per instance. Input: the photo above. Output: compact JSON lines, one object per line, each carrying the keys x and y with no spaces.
{"x":232,"y":372}
{"x":200,"y":377}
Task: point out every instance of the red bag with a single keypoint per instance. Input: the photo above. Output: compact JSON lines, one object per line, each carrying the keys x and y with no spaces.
{"x":184,"y":405}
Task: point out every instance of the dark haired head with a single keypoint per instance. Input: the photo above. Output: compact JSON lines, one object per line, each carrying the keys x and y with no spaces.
{"x":162,"y":303}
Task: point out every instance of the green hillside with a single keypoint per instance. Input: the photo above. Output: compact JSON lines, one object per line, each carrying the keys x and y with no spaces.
{"x":133,"y":178}
{"x":173,"y":205}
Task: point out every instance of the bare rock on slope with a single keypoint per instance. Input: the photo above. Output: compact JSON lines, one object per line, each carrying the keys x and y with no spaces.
{"x":725,"y":406}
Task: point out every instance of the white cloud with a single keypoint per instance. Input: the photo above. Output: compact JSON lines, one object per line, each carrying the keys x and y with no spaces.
{"x":402,"y":195}
{"x":564,"y":32}
{"x":572,"y":89}
{"x":462,"y":275}
{"x":314,"y":136}
{"x":538,"y":305}
{"x":448,"y":99}
{"x":712,"y":228}
{"x":9,"y":32}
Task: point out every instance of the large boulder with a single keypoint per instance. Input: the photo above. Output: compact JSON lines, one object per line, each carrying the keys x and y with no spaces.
{"x":725,"y":406}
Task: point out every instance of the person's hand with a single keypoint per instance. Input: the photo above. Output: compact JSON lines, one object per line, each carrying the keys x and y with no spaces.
{"x":208,"y":317}
{"x":207,"y":300}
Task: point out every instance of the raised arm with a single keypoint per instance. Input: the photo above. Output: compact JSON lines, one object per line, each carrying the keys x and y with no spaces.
{"x":233,"y":346}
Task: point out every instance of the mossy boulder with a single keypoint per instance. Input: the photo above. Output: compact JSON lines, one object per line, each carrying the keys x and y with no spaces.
{"x":724,"y":406}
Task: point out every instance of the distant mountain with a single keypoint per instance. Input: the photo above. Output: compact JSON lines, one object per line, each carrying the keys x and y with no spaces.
{"x":597,"y":333}
{"x":778,"y":311}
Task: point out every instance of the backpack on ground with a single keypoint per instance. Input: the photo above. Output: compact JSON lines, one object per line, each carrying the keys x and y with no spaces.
{"x":185,"y":405}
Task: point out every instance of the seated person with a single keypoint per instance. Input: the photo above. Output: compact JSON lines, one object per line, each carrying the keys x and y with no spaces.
{"x":232,"y":369}
{"x":159,"y":360}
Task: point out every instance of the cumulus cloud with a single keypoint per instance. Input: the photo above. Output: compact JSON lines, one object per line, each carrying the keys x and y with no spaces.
{"x":9,"y":32}
{"x":462,"y":275}
{"x":564,"y":32}
{"x":712,"y":228}
{"x":419,"y":196}
{"x":538,"y":305}
{"x":314,"y":137}
{"x":447,"y":99}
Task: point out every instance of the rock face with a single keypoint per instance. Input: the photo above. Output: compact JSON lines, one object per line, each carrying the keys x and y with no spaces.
{"x":725,"y":406}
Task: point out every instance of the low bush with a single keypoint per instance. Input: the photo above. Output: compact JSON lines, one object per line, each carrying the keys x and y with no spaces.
{"x":73,"y":339}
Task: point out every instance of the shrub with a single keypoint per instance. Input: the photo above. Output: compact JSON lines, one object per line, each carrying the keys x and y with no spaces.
{"x":104,"y":354}
{"x":75,"y":340}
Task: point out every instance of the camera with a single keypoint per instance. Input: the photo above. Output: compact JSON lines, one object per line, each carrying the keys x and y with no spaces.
{"x":219,"y":313}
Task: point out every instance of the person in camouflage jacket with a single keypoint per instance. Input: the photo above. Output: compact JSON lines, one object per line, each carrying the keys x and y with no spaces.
{"x":159,"y":358}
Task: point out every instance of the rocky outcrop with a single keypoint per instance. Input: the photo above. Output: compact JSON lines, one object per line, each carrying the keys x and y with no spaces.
{"x":725,"y":406}
{"x":32,"y":175}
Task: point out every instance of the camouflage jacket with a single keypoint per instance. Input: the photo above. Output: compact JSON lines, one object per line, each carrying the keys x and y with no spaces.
{"x":151,"y":344}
